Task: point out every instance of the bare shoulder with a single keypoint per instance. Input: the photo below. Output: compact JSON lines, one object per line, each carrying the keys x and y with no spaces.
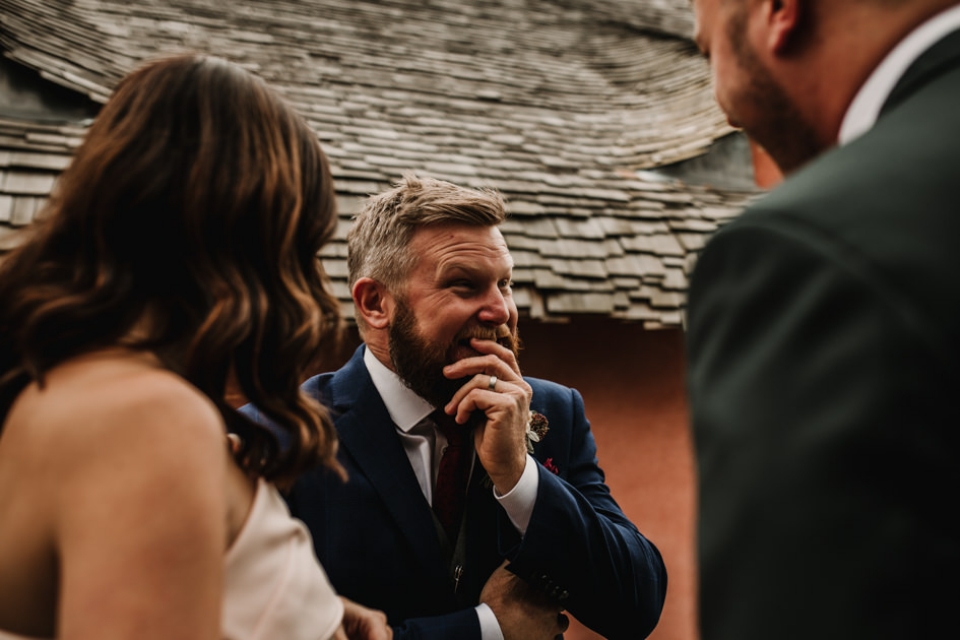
{"x":92,"y":404}
{"x":121,"y":384}
{"x":124,"y":472}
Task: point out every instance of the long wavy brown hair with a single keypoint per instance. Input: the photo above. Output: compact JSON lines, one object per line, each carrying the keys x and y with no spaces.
{"x":188,"y":224}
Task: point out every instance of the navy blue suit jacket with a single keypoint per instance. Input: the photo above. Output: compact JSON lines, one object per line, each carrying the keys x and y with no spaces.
{"x":376,"y":538}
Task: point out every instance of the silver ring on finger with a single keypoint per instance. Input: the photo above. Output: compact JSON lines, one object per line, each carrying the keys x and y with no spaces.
{"x":492,"y":385}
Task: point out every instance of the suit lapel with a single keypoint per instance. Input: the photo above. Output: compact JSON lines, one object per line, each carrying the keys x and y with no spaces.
{"x":941,"y":57}
{"x":369,"y":435}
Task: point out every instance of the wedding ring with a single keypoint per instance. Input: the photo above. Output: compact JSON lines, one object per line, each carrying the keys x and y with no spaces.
{"x":493,"y":383}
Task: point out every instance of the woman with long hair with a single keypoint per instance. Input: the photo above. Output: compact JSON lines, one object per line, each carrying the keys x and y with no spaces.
{"x":177,"y":257}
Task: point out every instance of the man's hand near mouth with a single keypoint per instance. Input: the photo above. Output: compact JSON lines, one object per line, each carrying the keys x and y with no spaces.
{"x":498,"y":390}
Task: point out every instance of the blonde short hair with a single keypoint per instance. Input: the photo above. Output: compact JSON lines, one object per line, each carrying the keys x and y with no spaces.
{"x":378,"y":242}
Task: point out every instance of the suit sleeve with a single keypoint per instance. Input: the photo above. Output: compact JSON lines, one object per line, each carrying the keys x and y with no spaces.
{"x":460,"y":625}
{"x":579,"y":547}
{"x":805,"y":380}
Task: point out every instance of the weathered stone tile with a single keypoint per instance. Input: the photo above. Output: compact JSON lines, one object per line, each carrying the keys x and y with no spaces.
{"x":562,"y":115}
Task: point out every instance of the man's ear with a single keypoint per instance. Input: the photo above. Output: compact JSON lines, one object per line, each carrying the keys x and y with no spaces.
{"x":373,"y":302}
{"x":783,"y":18}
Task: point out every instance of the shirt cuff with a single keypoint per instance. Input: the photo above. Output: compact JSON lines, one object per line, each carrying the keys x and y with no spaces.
{"x":519,"y":501}
{"x":489,"y":627}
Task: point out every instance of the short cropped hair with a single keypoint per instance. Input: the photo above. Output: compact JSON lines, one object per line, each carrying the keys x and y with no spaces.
{"x":378,"y":243}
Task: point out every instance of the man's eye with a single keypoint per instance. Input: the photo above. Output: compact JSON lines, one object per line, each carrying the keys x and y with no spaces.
{"x":506,"y":284}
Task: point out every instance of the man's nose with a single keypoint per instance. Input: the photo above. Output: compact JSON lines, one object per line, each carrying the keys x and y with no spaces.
{"x":495,"y":309}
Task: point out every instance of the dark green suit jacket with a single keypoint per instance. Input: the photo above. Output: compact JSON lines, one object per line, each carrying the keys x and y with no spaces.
{"x":824,"y":348}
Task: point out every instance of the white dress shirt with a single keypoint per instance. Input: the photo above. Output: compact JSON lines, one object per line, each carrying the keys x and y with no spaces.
{"x":863,"y":112}
{"x":424,"y":449}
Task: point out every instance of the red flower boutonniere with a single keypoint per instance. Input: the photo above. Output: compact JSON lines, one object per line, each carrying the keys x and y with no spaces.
{"x":536,"y":429}
{"x":549,"y":466}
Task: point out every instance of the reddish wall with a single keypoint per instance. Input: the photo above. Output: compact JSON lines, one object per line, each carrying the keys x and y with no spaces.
{"x":632,"y":382}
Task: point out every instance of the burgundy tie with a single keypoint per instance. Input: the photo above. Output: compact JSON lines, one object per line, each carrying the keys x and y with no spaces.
{"x":450,"y":491}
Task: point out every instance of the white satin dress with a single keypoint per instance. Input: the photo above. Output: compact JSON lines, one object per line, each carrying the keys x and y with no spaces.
{"x":274,"y":586}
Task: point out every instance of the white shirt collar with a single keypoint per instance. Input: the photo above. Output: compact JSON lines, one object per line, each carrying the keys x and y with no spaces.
{"x":865,"y":108}
{"x":405,"y":407}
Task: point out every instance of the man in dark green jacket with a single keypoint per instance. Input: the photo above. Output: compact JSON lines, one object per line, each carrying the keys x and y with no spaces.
{"x":824,"y":326}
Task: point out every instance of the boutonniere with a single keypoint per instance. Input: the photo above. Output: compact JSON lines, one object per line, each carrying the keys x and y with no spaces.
{"x":537,"y":428}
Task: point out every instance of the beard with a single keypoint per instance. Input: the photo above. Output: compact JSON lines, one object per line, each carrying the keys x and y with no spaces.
{"x":776,"y":123}
{"x":420,"y":363}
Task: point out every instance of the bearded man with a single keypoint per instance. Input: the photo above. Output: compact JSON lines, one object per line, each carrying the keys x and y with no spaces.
{"x":475,"y":506}
{"x":824,"y":326}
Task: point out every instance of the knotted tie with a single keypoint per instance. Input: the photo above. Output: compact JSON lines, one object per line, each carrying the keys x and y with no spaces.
{"x":449,"y":494}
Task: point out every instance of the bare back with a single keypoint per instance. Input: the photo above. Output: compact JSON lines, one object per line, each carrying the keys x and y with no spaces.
{"x":118,"y":499}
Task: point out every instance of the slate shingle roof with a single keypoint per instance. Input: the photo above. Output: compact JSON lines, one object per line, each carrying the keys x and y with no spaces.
{"x":32,"y":155}
{"x":564,"y":106}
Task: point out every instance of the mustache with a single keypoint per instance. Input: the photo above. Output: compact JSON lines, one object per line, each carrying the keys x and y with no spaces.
{"x":502,"y":335}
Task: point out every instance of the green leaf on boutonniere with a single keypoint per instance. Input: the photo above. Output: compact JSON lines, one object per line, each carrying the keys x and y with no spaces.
{"x":536,"y":429}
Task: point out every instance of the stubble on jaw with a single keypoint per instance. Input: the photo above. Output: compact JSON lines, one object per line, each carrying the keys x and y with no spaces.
{"x":776,"y":124}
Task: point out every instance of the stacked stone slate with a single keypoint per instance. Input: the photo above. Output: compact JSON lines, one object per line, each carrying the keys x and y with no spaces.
{"x":566,"y":107}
